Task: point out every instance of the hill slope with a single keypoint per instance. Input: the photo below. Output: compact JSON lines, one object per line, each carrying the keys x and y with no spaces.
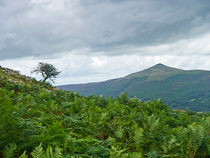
{"x":179,"y":88}
{"x":37,"y":120}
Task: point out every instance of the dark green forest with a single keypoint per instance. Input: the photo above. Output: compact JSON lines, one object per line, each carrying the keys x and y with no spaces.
{"x":37,"y":120}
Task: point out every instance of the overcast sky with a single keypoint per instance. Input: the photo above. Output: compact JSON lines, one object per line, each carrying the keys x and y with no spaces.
{"x":96,"y":40}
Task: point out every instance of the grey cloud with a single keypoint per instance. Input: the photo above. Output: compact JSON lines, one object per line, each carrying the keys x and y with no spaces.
{"x":40,"y":28}
{"x":83,"y":69}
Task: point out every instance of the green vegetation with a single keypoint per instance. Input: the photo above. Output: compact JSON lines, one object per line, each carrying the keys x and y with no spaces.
{"x":48,"y":71}
{"x":180,"y":89}
{"x":39,"y":121}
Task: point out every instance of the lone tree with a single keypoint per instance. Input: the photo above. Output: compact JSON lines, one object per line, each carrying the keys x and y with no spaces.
{"x":48,"y":71}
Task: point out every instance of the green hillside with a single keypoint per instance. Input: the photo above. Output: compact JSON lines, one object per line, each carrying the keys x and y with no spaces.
{"x":180,"y":89}
{"x":38,"y":121}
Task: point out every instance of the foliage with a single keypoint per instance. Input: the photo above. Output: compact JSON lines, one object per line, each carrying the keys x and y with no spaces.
{"x":48,"y":71}
{"x":9,"y":151}
{"x":40,"y":121}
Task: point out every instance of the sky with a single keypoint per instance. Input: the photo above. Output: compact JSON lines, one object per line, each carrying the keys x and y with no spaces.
{"x":96,"y":40}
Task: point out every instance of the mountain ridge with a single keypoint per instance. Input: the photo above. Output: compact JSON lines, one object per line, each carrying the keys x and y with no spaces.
{"x":170,"y":84}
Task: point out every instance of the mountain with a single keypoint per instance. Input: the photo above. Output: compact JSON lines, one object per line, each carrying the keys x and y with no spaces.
{"x":181,"y":89}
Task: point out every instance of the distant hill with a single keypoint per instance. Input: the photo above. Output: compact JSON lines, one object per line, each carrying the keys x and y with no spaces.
{"x":181,"y":89}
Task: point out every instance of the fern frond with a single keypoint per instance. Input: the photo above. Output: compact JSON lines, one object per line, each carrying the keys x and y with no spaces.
{"x":119,"y":132}
{"x":58,"y":153}
{"x":23,"y":155}
{"x":38,"y":152}
{"x":49,"y":152}
{"x":138,"y":137}
{"x":9,"y":151}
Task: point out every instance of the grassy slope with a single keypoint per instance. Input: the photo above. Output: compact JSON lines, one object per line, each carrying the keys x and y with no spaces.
{"x":179,"y":88}
{"x":32,"y":113}
{"x":14,"y":77}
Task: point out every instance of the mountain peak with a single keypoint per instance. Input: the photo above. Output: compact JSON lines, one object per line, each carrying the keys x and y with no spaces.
{"x":159,"y":65}
{"x":154,"y":71}
{"x":163,"y":67}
